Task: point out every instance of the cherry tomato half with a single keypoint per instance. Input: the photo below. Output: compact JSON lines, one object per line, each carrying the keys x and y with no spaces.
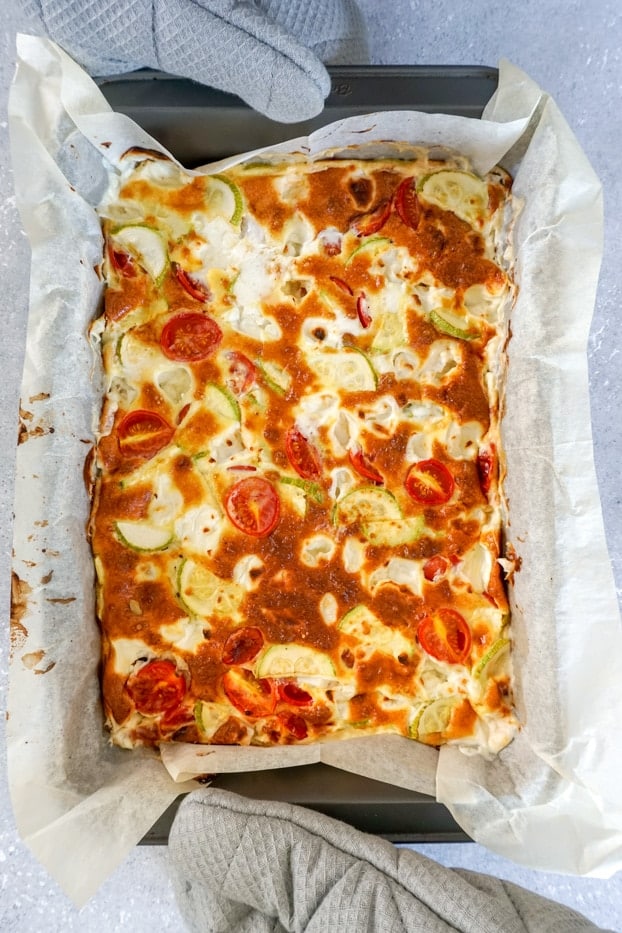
{"x":190,"y":336}
{"x":182,"y":413}
{"x":362,"y":467}
{"x":435,"y":568}
{"x":294,"y":724}
{"x":122,"y":263}
{"x":156,"y":688}
{"x":291,"y":693}
{"x":254,"y":698}
{"x":362,"y":310}
{"x":195,"y":289}
{"x":241,"y":373}
{"x":445,"y":635}
{"x":430,"y":482}
{"x":486,"y":467}
{"x":302,"y":455}
{"x":373,"y":221}
{"x":143,"y":433}
{"x":175,"y":719}
{"x":407,"y":203}
{"x":253,"y":506}
{"x":342,"y":284}
{"x":242,"y":645}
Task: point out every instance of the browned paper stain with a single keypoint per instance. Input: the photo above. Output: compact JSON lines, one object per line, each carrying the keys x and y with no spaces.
{"x":20,"y":592}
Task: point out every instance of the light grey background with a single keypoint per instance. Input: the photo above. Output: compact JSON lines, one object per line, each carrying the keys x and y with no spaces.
{"x":573,"y":49}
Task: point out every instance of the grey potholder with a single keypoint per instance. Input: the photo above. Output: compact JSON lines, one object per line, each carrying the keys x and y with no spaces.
{"x":252,"y":866}
{"x":268,"y":52}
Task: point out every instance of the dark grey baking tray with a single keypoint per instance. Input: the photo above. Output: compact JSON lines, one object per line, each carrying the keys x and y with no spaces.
{"x":372,"y":806}
{"x":197,"y":125}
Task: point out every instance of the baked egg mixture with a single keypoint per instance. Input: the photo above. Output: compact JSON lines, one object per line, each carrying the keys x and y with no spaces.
{"x":296,"y":521}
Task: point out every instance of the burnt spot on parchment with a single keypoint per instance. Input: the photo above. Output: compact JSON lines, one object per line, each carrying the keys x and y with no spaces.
{"x":32,"y":659}
{"x":28,"y":429}
{"x":20,"y":593}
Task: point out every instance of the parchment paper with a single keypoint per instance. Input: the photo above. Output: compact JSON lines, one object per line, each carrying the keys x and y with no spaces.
{"x":550,"y":800}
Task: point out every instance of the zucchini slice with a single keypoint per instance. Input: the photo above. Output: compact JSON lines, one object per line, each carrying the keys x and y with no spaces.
{"x":143,"y":536}
{"x":450,"y":325}
{"x":366,"y":504}
{"x":293,"y":660}
{"x":394,"y":532}
{"x":224,"y":199}
{"x":146,"y":245}
{"x":462,"y":193}
{"x":222,"y":402}
{"x":364,"y":625}
{"x":349,"y":369}
{"x":203,"y":593}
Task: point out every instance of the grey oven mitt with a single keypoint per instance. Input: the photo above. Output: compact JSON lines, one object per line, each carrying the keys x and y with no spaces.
{"x":252,"y":866}
{"x":268,"y":52}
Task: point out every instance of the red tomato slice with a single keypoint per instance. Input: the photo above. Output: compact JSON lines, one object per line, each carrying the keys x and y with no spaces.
{"x":430,"y":482}
{"x":373,"y":221}
{"x":174,"y":720}
{"x":190,"y":336}
{"x":362,"y":309}
{"x":254,"y":698}
{"x":156,"y":688}
{"x":302,"y":455}
{"x":486,"y":467}
{"x":253,"y":506}
{"x":195,"y":289}
{"x":445,"y":635}
{"x":291,"y":693}
{"x":182,"y":413}
{"x":242,"y":646}
{"x":294,"y":724}
{"x":360,"y":464}
{"x":435,"y":568}
{"x":341,"y":284}
{"x":122,"y":263}
{"x":143,"y":433}
{"x":407,"y":203}
{"x":241,"y":372}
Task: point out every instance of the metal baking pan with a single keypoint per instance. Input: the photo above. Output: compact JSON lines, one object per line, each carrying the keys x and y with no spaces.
{"x":391,"y":812}
{"x":198,"y":124}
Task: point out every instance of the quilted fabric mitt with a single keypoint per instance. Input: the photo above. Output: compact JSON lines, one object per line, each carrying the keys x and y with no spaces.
{"x":268,"y":52}
{"x":251,"y":866}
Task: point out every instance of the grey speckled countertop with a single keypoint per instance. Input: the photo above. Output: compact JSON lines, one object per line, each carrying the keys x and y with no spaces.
{"x":574,"y":51}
